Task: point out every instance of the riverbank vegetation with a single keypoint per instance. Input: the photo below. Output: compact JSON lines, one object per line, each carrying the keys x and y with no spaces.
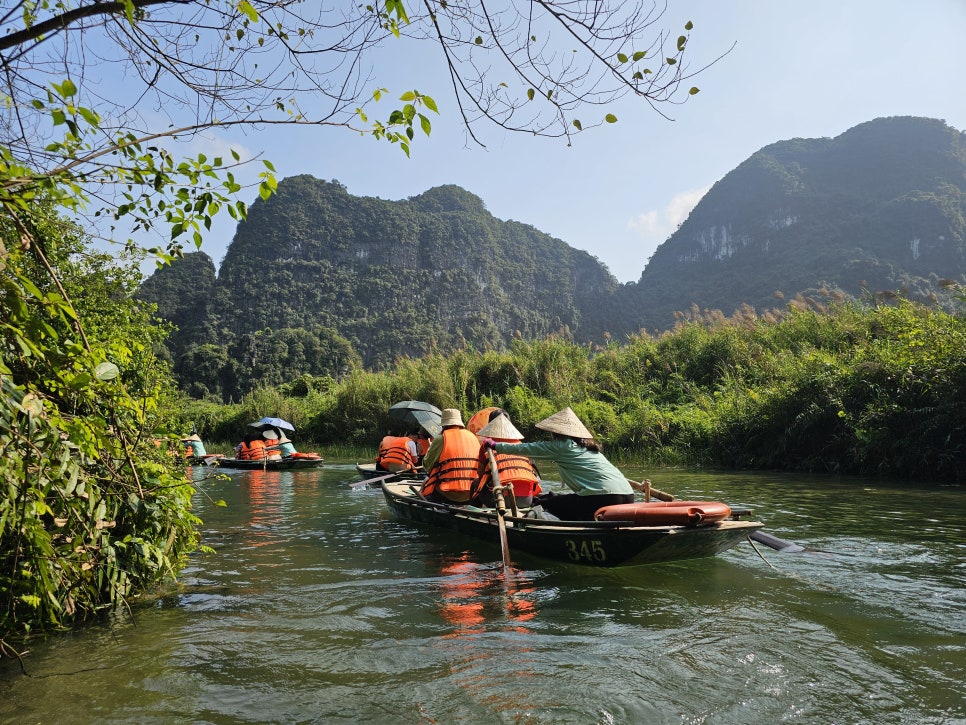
{"x":93,"y":508}
{"x":870,"y":387}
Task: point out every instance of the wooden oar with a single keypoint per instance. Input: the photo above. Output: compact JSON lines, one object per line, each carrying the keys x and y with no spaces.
{"x":500,"y":507}
{"x":360,"y":484}
{"x":648,"y":490}
{"x":775,"y":543}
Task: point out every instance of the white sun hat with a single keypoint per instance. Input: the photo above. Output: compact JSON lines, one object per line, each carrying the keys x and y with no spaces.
{"x":451,"y":416}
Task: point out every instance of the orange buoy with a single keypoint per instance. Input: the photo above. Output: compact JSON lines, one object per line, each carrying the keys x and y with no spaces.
{"x":666,"y":513}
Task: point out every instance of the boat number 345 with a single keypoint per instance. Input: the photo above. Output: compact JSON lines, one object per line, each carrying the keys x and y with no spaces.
{"x":585,"y":550}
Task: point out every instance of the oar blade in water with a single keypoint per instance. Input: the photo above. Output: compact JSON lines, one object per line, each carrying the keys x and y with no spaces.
{"x":775,"y":543}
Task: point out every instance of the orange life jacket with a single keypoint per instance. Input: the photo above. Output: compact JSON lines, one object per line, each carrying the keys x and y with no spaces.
{"x":254,"y":451}
{"x":517,"y":470}
{"x":395,"y":455}
{"x":454,"y":472}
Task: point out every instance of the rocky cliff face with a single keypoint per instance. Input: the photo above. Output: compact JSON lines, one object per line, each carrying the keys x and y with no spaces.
{"x":436,"y":271}
{"x":879,"y":208}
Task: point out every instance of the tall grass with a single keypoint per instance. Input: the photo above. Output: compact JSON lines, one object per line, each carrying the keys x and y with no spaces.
{"x":866,"y":387}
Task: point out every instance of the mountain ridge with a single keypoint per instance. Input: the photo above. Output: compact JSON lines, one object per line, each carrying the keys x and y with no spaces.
{"x":879,"y":207}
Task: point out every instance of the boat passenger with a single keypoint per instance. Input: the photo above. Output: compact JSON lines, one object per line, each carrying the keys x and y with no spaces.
{"x":271,"y":445}
{"x":423,"y":440}
{"x":398,"y":453}
{"x":512,"y":469}
{"x":583,"y":468}
{"x":252,"y":448}
{"x":451,"y":461}
{"x":284,"y":447}
{"x":193,"y":447}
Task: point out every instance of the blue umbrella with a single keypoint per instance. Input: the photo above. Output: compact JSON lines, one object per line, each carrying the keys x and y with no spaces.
{"x":272,"y":423}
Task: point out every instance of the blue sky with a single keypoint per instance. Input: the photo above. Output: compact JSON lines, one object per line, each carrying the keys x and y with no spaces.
{"x":798,"y":70}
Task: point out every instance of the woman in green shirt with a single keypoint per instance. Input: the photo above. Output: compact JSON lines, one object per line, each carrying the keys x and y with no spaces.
{"x":583,"y":468}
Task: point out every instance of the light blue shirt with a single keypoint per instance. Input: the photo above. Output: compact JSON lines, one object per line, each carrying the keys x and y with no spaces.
{"x":585,"y":472}
{"x":197,"y":448}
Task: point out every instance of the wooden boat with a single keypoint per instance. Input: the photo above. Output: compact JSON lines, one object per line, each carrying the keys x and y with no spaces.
{"x":209,"y":459}
{"x":370,"y":470}
{"x":592,"y":543}
{"x":285,"y":464}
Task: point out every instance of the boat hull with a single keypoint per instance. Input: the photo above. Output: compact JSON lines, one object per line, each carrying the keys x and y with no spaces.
{"x":286,"y":464}
{"x":208,"y":460}
{"x":590,"y":543}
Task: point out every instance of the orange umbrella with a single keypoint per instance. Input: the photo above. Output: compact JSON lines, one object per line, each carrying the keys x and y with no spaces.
{"x":480,"y":419}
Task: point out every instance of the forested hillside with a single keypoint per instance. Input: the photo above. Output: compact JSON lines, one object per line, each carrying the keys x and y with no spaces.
{"x":318,"y":282}
{"x":880,"y":208}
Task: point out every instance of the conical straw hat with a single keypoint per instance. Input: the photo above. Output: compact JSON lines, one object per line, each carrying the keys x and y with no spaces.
{"x":566,"y":423}
{"x":270,"y":435}
{"x":500,"y":427}
{"x":192,"y":437}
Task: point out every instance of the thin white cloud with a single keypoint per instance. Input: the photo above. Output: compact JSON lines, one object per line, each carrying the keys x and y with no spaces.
{"x":213,"y":145}
{"x":659,"y":224}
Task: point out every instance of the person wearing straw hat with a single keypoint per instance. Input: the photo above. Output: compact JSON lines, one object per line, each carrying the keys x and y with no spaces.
{"x":282,"y":445}
{"x":512,"y":469}
{"x":284,"y":448}
{"x":594,"y":480}
{"x":451,"y":461}
{"x":193,"y":446}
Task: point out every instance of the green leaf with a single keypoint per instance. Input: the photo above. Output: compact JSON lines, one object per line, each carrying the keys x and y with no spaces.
{"x":576,"y":124}
{"x":246,"y":7}
{"x":80,"y":380}
{"x":407,"y":96}
{"x":430,"y":104}
{"x":693,"y":90}
{"x":478,"y":40}
{"x":688,"y":25}
{"x":639,"y":54}
{"x":424,"y":123}
{"x":106,"y":371}
{"x":88,"y":115}
{"x":621,"y":58}
{"x":530,"y":94}
{"x":681,"y":42}
{"x":67,"y":89}
{"x":610,"y":118}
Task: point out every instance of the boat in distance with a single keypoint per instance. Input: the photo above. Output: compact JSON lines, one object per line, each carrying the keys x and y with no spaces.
{"x":284,"y":464}
{"x":607,"y":543}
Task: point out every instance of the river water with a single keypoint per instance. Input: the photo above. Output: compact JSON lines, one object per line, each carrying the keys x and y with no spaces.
{"x":318,"y":607}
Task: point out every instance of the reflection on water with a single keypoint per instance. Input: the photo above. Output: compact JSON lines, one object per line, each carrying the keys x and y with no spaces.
{"x":471,"y":594}
{"x":319,"y":607}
